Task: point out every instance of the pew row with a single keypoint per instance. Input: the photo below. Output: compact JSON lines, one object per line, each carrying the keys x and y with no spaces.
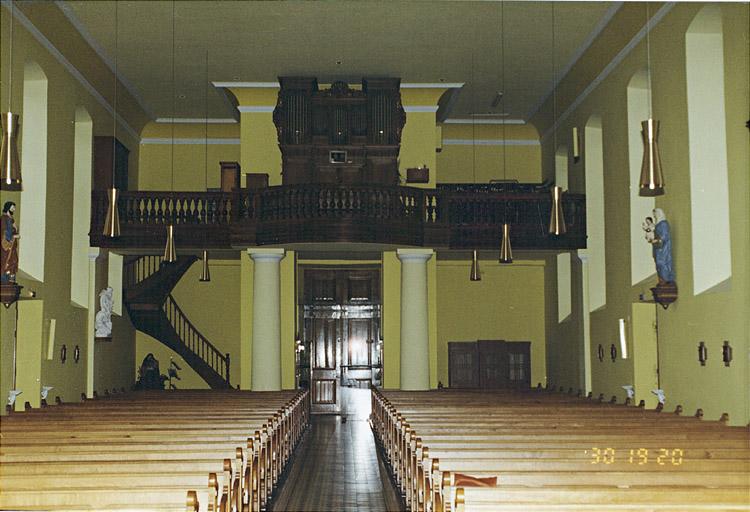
{"x":468,"y":450}
{"x":177,"y":450}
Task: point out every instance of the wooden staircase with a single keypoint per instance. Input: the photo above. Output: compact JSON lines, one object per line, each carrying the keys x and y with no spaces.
{"x":153,"y":310}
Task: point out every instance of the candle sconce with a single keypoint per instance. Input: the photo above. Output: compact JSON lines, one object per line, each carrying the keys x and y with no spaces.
{"x":726,"y":353}
{"x":702,"y":353}
{"x":613,"y":352}
{"x":600,"y":353}
{"x":76,"y":354}
{"x":63,"y":353}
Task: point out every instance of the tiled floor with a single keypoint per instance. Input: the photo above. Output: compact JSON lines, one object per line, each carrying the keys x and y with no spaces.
{"x":336,"y":467}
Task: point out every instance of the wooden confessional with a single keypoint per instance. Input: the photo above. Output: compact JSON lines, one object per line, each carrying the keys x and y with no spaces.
{"x":489,"y":364}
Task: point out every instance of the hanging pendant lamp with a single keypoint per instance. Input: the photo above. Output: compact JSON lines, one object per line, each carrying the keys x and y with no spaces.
{"x":10,"y":164}
{"x":557,"y":218}
{"x":475,"y":273}
{"x":112,"y":221}
{"x":506,"y":252}
{"x":205,"y":272}
{"x":651,"y":182}
{"x":170,"y":255}
{"x":652,"y":179}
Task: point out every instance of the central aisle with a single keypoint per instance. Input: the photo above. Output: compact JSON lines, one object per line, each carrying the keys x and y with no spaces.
{"x":336,"y":467}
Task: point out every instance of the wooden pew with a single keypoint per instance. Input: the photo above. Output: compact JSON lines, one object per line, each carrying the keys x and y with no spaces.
{"x":535,"y":440}
{"x":159,"y":445}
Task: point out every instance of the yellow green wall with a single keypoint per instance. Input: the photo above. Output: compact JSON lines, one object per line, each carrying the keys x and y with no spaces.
{"x":507,"y":304}
{"x":190,"y":170}
{"x":711,"y":317}
{"x":114,"y":363}
{"x":481,"y":162}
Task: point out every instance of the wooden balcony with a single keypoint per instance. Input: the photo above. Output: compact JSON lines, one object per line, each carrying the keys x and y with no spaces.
{"x":320,"y":213}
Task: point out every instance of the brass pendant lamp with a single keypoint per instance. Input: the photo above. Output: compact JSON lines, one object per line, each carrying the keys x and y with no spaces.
{"x":205,"y":271}
{"x":112,"y":220}
{"x":506,"y":252}
{"x":556,"y":218}
{"x":475,"y":274}
{"x":9,"y":161}
{"x":651,"y":182}
{"x":170,"y":254}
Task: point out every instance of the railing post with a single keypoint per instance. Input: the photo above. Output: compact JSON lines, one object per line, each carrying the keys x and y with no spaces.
{"x":227,"y":359}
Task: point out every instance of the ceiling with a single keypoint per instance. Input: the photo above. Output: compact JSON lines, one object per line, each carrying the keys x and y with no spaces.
{"x":418,"y":41}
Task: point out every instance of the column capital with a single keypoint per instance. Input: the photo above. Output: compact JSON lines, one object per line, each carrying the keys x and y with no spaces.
{"x":420,"y":255}
{"x":94,"y":253}
{"x":258,"y":254}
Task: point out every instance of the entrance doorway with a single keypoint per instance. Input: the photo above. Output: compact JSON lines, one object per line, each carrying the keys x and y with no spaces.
{"x":341,"y":348}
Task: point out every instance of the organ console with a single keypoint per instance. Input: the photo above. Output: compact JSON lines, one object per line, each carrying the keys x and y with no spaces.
{"x":339,"y":135}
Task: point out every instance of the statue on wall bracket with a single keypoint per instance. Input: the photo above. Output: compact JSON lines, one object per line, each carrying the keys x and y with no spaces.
{"x":103,"y":319}
{"x":659,"y":236}
{"x":9,"y":289}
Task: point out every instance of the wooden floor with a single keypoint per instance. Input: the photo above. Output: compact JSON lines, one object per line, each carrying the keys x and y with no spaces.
{"x":336,"y":467}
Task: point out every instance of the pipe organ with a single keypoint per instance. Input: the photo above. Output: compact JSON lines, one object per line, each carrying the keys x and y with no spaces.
{"x":341,"y":134}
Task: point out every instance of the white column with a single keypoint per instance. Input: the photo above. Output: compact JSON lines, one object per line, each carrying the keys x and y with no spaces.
{"x":266,"y":351}
{"x":90,"y":322}
{"x":415,"y":348}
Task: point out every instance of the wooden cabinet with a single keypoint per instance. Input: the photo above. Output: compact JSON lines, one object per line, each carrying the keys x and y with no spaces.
{"x":489,"y":364}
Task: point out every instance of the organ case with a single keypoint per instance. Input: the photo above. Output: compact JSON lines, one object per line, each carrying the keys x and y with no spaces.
{"x":341,"y":134}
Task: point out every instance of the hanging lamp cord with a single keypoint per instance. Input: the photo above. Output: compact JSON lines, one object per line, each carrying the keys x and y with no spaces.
{"x":114,"y":106}
{"x":10,"y":66}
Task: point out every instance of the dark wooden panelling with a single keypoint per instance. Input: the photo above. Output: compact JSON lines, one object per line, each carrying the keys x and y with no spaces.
{"x":489,"y":364}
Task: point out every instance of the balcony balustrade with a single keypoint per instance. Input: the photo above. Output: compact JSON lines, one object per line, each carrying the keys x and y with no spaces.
{"x":319,"y":213}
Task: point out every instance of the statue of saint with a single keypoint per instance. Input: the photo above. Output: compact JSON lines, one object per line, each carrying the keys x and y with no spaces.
{"x":661,"y":247}
{"x":9,"y":244}
{"x":103,"y":319}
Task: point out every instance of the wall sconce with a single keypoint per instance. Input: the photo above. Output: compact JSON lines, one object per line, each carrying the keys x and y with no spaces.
{"x":576,"y":145}
{"x":726,"y":353}
{"x":702,"y":353}
{"x":63,"y":353}
{"x":623,"y":339}
{"x":613,"y":352}
{"x":76,"y":354}
{"x":600,"y":353}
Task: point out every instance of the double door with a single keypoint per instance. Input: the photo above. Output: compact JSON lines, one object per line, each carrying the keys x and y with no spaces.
{"x":341,"y":335}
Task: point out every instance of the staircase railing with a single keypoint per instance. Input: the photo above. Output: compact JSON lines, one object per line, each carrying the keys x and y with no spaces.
{"x":140,"y":268}
{"x":194,"y":340}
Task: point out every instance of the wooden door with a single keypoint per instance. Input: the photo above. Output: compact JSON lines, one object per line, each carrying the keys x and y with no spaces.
{"x":463,"y":365}
{"x":324,"y":364}
{"x":493,"y":366}
{"x":341,"y":326}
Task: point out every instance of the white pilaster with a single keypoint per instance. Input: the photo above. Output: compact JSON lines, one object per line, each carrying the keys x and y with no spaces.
{"x":415,"y":359}
{"x":266,"y":349}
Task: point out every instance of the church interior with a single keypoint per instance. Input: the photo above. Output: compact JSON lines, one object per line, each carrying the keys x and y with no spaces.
{"x":427,"y":255}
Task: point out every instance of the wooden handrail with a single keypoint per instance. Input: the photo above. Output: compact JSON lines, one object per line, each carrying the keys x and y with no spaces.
{"x":194,"y":340}
{"x":140,"y":268}
{"x":440,"y":217}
